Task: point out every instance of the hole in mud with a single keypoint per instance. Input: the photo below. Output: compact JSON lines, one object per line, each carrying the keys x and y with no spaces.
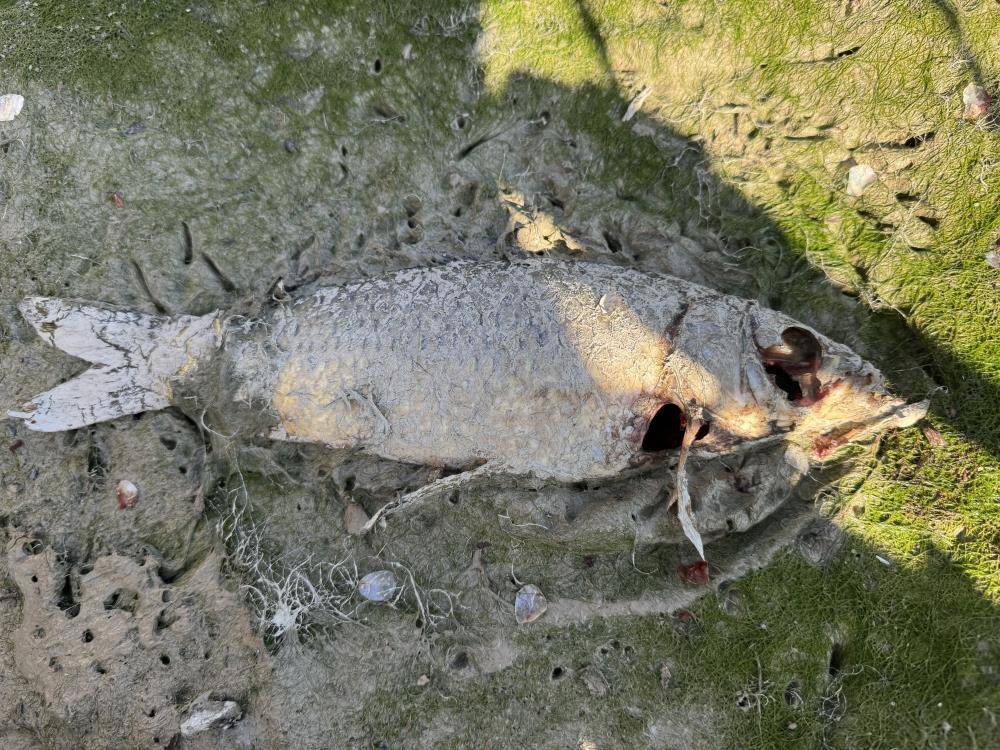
{"x":557,"y":673}
{"x":412,"y":223}
{"x":31,"y":548}
{"x":613,"y":243}
{"x":792,"y":365}
{"x":168,"y":443}
{"x":39,"y":632}
{"x":164,"y":659}
{"x":666,"y":429}
{"x":461,"y":660}
{"x":836,"y":659}
{"x":182,"y":469}
{"x":34,"y":579}
{"x":87,"y":636}
{"x":730,"y":524}
{"x":377,"y":66}
{"x":122,"y":599}
{"x":152,"y":713}
{"x":65,"y":600}
{"x":99,"y":668}
{"x":453,"y":497}
{"x":916,"y":140}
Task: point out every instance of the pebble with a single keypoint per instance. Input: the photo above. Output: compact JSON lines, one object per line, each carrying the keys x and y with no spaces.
{"x":10,"y":106}
{"x":530,"y":604}
{"x":993,"y":259}
{"x":378,"y":586}
{"x":859,"y":178}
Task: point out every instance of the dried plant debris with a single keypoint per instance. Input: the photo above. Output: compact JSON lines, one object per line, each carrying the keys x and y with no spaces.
{"x":564,"y":371}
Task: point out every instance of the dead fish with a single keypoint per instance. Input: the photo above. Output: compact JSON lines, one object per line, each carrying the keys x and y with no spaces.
{"x":566,"y":371}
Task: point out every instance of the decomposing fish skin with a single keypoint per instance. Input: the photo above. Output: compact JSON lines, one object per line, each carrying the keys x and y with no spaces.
{"x":565,"y":371}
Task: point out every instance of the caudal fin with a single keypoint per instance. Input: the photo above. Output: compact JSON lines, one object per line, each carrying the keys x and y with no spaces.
{"x":135,"y":359}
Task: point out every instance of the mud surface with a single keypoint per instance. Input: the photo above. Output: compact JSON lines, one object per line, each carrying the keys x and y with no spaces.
{"x":233,"y":574}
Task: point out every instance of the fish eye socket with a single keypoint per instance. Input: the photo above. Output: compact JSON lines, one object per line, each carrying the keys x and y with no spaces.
{"x":666,"y":429}
{"x":792,"y":365}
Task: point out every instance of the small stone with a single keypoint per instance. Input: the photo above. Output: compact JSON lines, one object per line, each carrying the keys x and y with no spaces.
{"x":206,"y":714}
{"x":993,"y":259}
{"x":291,"y":146}
{"x":859,"y":178}
{"x":355,"y":519}
{"x":530,"y":604}
{"x":407,"y":51}
{"x":378,"y":586}
{"x":128,"y":494}
{"x":423,"y":681}
{"x":976,"y":101}
{"x":10,"y":106}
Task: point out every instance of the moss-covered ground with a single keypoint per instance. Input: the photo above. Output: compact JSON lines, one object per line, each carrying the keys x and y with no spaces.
{"x":293,"y":135}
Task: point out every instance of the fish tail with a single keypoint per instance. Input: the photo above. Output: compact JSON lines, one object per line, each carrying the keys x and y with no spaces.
{"x":137,"y":359}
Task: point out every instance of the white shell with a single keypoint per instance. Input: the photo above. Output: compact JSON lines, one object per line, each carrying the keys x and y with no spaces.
{"x":10,"y":106}
{"x":859,"y":178}
{"x":127,"y":493}
{"x":530,"y":604}
{"x":378,"y":586}
{"x":976,"y":101}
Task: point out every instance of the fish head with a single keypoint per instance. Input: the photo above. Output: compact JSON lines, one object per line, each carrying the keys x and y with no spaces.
{"x":754,"y":374}
{"x":821,"y":391}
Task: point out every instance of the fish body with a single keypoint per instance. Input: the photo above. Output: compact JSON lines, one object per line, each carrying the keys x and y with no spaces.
{"x":562,"y":370}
